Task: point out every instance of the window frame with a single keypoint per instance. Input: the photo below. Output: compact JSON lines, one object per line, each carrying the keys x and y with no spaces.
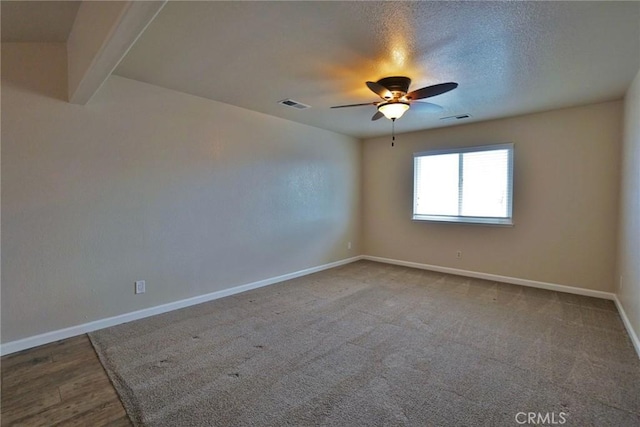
{"x":459,"y":219}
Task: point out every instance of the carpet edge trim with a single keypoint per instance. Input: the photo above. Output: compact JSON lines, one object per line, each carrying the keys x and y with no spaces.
{"x":72,"y":331}
{"x":124,"y":394}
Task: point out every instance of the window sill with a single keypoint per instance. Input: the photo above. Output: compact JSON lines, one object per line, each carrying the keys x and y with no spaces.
{"x":500,"y":222}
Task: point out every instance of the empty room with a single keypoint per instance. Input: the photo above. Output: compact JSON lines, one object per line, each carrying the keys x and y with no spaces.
{"x":310,"y":213}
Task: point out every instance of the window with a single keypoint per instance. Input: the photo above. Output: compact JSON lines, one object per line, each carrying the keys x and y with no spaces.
{"x":470,"y":185}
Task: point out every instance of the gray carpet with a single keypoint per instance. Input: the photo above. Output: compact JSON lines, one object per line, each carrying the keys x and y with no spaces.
{"x":370,"y":344}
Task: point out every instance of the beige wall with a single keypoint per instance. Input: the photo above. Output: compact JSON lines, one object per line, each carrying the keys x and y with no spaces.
{"x":629,"y":249}
{"x":566,"y":175}
{"x":191,"y":195}
{"x":196,"y":196}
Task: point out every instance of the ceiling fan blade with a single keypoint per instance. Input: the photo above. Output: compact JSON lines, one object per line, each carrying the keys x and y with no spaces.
{"x":377,"y":115}
{"x":378,"y":89}
{"x":430,"y":91}
{"x":354,"y":105}
{"x":426,"y":107}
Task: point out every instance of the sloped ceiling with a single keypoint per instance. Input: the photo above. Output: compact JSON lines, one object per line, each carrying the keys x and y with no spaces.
{"x":509,"y":58}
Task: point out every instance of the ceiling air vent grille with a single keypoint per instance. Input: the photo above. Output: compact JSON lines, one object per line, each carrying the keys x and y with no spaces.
{"x":294,"y":104}
{"x":456,"y":117}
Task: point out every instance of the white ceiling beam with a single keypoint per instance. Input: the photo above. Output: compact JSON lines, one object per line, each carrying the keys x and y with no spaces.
{"x":102,"y":33}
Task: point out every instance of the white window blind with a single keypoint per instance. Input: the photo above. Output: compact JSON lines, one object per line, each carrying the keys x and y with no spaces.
{"x":472,"y":185}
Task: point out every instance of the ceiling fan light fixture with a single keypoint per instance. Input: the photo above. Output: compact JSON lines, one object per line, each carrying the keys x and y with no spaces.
{"x":393,"y":110}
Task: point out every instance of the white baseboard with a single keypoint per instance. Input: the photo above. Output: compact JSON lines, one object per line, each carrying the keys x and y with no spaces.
{"x":496,"y":277}
{"x":627,"y":324}
{"x":48,"y":337}
{"x":60,"y":334}
{"x":523,"y":282}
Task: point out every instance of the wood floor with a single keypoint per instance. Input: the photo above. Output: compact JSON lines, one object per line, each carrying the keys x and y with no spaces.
{"x":61,"y":383}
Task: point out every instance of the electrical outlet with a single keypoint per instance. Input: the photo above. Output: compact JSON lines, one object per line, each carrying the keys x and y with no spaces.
{"x":140,"y":287}
{"x":459,"y":254}
{"x":349,"y":245}
{"x":620,"y":284}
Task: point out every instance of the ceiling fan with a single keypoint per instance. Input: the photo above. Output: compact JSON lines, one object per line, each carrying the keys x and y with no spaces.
{"x":396,"y":98}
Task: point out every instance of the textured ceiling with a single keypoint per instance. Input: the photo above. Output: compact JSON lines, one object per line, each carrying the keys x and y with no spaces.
{"x":508,"y":57}
{"x":37,"y":21}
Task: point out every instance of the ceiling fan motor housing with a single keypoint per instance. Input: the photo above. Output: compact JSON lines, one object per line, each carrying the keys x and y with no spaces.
{"x":396,"y":84}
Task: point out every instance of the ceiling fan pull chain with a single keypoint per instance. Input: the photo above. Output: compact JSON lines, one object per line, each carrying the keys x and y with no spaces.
{"x":393,"y":132}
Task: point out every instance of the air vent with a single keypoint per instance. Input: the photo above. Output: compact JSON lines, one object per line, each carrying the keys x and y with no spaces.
{"x":458,"y":117}
{"x":294,"y":104}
